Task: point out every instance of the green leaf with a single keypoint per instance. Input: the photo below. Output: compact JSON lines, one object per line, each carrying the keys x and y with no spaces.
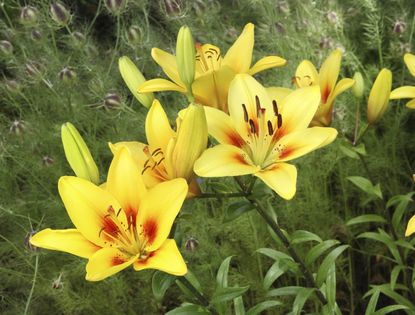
{"x":384,"y":238}
{"x":189,"y":309}
{"x":390,"y":309}
{"x":276,"y":271}
{"x":274,"y":254}
{"x":193,"y":280}
{"x":302,"y":297}
{"x":394,"y":275}
{"x":222,"y":275}
{"x":236,"y":209}
{"x":160,"y":283}
{"x":301,"y":236}
{"x":373,"y":302}
{"x":260,"y":307}
{"x":399,"y":299}
{"x":318,"y":250}
{"x":401,"y":203}
{"x":328,"y":261}
{"x":331,"y":287}
{"x":366,"y":185}
{"x":239,"y":305}
{"x":290,"y":290}
{"x":365,"y":219}
{"x":228,"y":293}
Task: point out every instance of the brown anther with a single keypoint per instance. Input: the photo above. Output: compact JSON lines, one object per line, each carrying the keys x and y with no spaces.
{"x":275,"y":107}
{"x":161,"y":160}
{"x":252,"y":125}
{"x":270,"y":129}
{"x":258,"y":105}
{"x":156,"y":151}
{"x":118,"y":212}
{"x":279,"y":123}
{"x":144,"y":169}
{"x":110,"y":210}
{"x":245,"y":113}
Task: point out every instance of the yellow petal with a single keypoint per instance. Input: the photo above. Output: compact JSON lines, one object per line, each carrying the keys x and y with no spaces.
{"x":106,"y":262}
{"x":306,"y":74}
{"x":298,"y":108}
{"x":68,"y":241}
{"x":167,"y":258}
{"x":403,"y":92}
{"x":168,"y":63}
{"x":340,"y":87}
{"x":158,"y":130}
{"x":133,"y":78}
{"x":224,"y":160}
{"x":220,"y":126}
{"x":135,"y":148}
{"x":158,"y":210}
{"x":191,"y":141}
{"x":411,"y":104}
{"x":410,"y":63}
{"x":278,"y":94}
{"x":87,"y":206}
{"x":239,"y":55}
{"x":378,"y":100}
{"x":329,"y":73}
{"x":211,"y":89}
{"x":281,"y":178}
{"x":301,"y":142}
{"x":125,"y":183}
{"x":267,"y":63}
{"x":186,"y":56}
{"x":156,"y":85}
{"x":410,"y":229}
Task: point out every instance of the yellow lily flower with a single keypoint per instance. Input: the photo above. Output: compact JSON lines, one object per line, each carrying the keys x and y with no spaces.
{"x":378,"y":100}
{"x":410,"y":229}
{"x":307,"y":75}
{"x":124,"y":224}
{"x":262,"y":133}
{"x":406,"y":91}
{"x":170,"y":154}
{"x":213,"y":74}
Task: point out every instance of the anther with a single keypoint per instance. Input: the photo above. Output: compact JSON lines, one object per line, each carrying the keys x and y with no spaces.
{"x":144,"y":169}
{"x":258,"y":105}
{"x":245,"y":113}
{"x":279,"y":123}
{"x":118,"y":212}
{"x":156,"y":151}
{"x":270,"y":129}
{"x":252,"y":125}
{"x":161,"y":160}
{"x":275,"y":107}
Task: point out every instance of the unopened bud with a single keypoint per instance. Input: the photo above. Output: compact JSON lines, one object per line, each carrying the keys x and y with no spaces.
{"x":18,"y":127}
{"x":134,"y":78}
{"x":283,"y":7}
{"x":280,"y":27}
{"x":173,"y":7}
{"x":36,"y":35}
{"x":67,"y":75}
{"x":78,"y":37}
{"x":326,"y":43}
{"x":399,"y":27}
{"x":28,"y":15}
{"x":47,"y":161}
{"x":378,"y":100}
{"x":78,"y":155}
{"x":112,"y":100}
{"x":12,"y":86}
{"x":59,"y":13}
{"x":186,"y":56}
{"x":191,"y":244}
{"x":133,"y":35}
{"x":116,"y":6}
{"x":359,"y":85}
{"x":332,"y":17}
{"x":32,"y":70}
{"x":6,"y":47}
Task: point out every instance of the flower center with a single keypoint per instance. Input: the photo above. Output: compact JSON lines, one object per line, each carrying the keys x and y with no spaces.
{"x":208,"y":58}
{"x":155,"y":163}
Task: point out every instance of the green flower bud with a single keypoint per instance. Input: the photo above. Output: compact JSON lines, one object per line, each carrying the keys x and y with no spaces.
{"x":78,"y":155}
{"x":28,"y":15}
{"x":133,"y":35}
{"x":359,"y":85}
{"x":6,"y":47}
{"x":112,"y":100}
{"x":67,"y":75}
{"x":36,"y":35}
{"x":116,"y":6}
{"x":59,"y":13}
{"x":186,"y":56}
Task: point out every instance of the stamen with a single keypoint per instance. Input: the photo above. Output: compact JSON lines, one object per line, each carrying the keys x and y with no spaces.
{"x":252,"y":125}
{"x":275,"y":107}
{"x":118,"y":212}
{"x":145,"y":169}
{"x":258,"y":106}
{"x":161,"y":160}
{"x":156,"y":151}
{"x":279,"y":123}
{"x":270,"y":129}
{"x":245,"y":113}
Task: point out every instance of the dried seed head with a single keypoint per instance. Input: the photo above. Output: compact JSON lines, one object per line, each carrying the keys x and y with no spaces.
{"x":332,"y":17}
{"x":18,"y":127}
{"x":191,"y":244}
{"x":173,"y":7}
{"x":28,"y":15}
{"x":12,"y":86}
{"x":399,"y":27}
{"x":36,"y":35}
{"x":67,"y":75}
{"x":116,"y":6}
{"x":325,"y":43}
{"x":32,"y":70}
{"x":57,"y":284}
{"x":27,"y":243}
{"x":283,"y":7}
{"x":6,"y":47}
{"x":133,"y":35}
{"x":59,"y":13}
{"x":47,"y":160}
{"x":280,"y":27}
{"x":112,"y":100}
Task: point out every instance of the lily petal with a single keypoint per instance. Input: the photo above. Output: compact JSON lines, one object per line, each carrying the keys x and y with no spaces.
{"x":158,"y":130}
{"x":281,"y":178}
{"x":278,"y":94}
{"x":410,"y":229}
{"x":411,"y":104}
{"x":239,"y":55}
{"x":301,"y":142}
{"x":68,"y":241}
{"x":378,"y":100}
{"x":306,"y":74}
{"x":220,"y":126}
{"x":156,"y":85}
{"x":87,"y":206}
{"x":410,"y":63}
{"x":106,"y":262}
{"x":168,"y":63}
{"x":329,"y":72}
{"x":167,"y":258}
{"x":224,"y":160}
{"x":125,"y":183}
{"x":340,"y":87}
{"x":135,"y":148}
{"x":159,"y":209}
{"x":403,"y":92}
{"x":267,"y":63}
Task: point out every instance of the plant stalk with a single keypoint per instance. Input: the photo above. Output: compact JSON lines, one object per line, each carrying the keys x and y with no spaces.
{"x":196,"y":293}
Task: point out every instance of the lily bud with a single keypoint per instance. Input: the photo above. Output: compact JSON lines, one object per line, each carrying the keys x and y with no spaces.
{"x":134,"y":78}
{"x":59,"y":13}
{"x":78,"y":155}
{"x":28,"y":15}
{"x":115,"y":6}
{"x":6,"y":47}
{"x":379,"y":96}
{"x":359,"y":85}
{"x":191,"y":141}
{"x":186,"y":56}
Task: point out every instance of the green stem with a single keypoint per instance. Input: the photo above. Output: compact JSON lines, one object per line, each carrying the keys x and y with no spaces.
{"x":196,"y":293}
{"x":95,"y":17}
{"x":357,"y":119}
{"x":116,"y":44}
{"x":225,"y":195}
{"x":33,"y":285}
{"x":361,"y":134}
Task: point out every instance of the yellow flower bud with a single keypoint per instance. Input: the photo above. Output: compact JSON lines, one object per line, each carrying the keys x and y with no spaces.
{"x":134,"y":78}
{"x":185,"y":56}
{"x":359,"y":86}
{"x":78,"y":155}
{"x":379,"y":96}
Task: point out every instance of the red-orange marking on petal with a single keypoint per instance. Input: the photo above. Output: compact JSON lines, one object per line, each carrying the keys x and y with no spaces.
{"x":325,"y":94}
{"x":286,"y":153}
{"x":110,"y":227}
{"x":150,"y":230}
{"x":117,"y":260}
{"x":235,"y":139}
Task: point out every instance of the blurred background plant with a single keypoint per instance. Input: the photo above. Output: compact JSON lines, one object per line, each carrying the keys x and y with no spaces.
{"x":58,"y":63}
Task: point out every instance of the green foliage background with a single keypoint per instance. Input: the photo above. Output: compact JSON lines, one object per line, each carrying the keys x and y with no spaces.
{"x":33,"y":107}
